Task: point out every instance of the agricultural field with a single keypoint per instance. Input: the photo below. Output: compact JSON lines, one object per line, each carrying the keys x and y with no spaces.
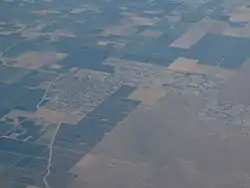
{"x":124,"y":93}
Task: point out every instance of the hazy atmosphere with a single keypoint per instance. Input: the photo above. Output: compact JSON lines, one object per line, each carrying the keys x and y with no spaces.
{"x":124,"y":93}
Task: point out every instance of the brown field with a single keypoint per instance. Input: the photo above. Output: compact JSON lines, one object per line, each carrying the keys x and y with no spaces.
{"x":152,"y":33}
{"x":102,"y":43}
{"x":13,"y":114}
{"x":142,"y":21}
{"x":96,"y":74}
{"x":46,"y":115}
{"x":184,"y":65}
{"x":55,"y":66}
{"x":35,"y":60}
{"x":240,"y":15}
{"x":192,"y":66}
{"x":168,"y":145}
{"x":148,"y":96}
{"x":99,"y":171}
{"x":190,"y":38}
{"x":243,"y":32}
{"x":55,"y":117}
